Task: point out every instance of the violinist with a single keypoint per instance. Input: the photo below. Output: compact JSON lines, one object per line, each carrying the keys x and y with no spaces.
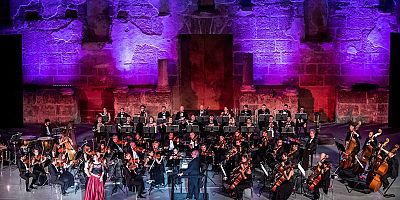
{"x":157,"y":169}
{"x":169,"y":143}
{"x":37,"y":162}
{"x":132,"y":178}
{"x":25,"y":172}
{"x":283,"y":181}
{"x":245,"y":179}
{"x":116,"y":145}
{"x":237,"y":136}
{"x":320,"y":178}
{"x":55,"y":175}
{"x":310,"y":148}
{"x":138,"y":139}
{"x":232,"y":160}
{"x":205,"y":157}
{"x":193,"y":141}
{"x":133,"y":150}
{"x":294,"y":154}
{"x":393,"y":170}
{"x":278,"y":150}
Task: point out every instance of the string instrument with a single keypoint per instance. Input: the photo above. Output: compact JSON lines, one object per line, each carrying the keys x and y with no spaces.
{"x":347,"y":158}
{"x":175,"y":156}
{"x":316,"y":176}
{"x":280,"y":176}
{"x":366,"y":155}
{"x":38,"y":159}
{"x":383,"y":168}
{"x":132,"y":164}
{"x":238,"y":177}
{"x":221,"y":144}
{"x":231,"y":154}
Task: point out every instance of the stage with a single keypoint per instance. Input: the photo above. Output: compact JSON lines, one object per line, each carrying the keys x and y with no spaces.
{"x":10,"y":187}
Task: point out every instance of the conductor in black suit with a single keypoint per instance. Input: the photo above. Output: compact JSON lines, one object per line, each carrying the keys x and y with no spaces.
{"x":46,"y":129}
{"x":55,"y":177}
{"x":25,"y":174}
{"x":193,"y":171}
{"x":311,"y":146}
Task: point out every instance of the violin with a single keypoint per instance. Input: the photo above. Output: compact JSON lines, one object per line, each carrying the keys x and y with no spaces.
{"x":231,"y":154}
{"x":133,"y":164}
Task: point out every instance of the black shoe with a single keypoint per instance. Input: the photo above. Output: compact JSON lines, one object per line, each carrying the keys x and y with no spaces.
{"x":140,"y":196}
{"x":64,"y":193}
{"x":33,"y":187}
{"x":28,"y":190}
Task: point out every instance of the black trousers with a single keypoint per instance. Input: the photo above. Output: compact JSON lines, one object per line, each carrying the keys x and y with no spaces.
{"x":385,"y":181}
{"x":63,"y":184}
{"x":239,"y":189}
{"x":136,"y":181}
{"x":194,"y":188}
{"x":26,"y":177}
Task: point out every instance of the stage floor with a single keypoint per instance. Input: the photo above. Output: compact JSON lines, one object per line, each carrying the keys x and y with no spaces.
{"x":11,"y":188}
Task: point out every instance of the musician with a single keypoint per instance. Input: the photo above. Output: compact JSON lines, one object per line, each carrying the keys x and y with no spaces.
{"x":286,"y":110}
{"x":132,"y":177}
{"x":272,"y":125}
{"x":143,"y":111}
{"x":246,"y":112}
{"x":193,"y":120}
{"x":202,"y":112}
{"x":301,"y":123}
{"x":212,"y":121}
{"x":116,"y":145}
{"x":246,"y":177}
{"x":324,"y":167}
{"x":278,"y":150}
{"x":46,"y":128}
{"x":182,"y":114}
{"x":55,"y":177}
{"x":164,"y":114}
{"x":371,"y":141}
{"x":106,"y":115}
{"x":67,"y":143}
{"x":25,"y":173}
{"x":285,"y":189}
{"x":226,"y":112}
{"x":310,"y":148}
{"x":193,"y":141}
{"x":354,"y":133}
{"x":193,"y":171}
{"x":204,"y":157}
{"x":220,"y":149}
{"x":97,"y":130}
{"x":232,"y":160}
{"x":393,"y":171}
{"x":157,"y":168}
{"x":132,"y":150}
{"x":37,"y":164}
{"x":287,"y":127}
{"x":232,"y":121}
{"x":122,"y":113}
{"x":263,"y":111}
{"x":169,"y":143}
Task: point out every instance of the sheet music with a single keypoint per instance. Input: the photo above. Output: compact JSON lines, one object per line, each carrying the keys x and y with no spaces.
{"x":301,"y":169}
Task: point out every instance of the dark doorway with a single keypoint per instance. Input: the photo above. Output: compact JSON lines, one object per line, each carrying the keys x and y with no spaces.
{"x":11,"y":83}
{"x":206,"y":73}
{"x":394,"y":81}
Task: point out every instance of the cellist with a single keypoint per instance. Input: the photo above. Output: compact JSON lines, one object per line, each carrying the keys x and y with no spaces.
{"x":285,"y":188}
{"x":245,"y":177}
{"x":323,"y":167}
{"x":393,"y":170}
{"x":354,"y":133}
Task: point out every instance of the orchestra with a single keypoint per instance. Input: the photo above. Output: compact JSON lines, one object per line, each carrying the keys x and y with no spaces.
{"x":276,"y":144}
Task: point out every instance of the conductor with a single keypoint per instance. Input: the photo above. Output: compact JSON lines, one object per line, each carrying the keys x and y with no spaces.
{"x":193,"y":171}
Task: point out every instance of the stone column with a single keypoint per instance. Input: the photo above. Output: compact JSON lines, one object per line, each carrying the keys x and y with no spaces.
{"x":247,"y":85}
{"x":163,"y":85}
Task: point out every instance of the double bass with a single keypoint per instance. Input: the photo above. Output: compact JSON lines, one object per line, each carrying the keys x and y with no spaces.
{"x":381,"y":170}
{"x":348,"y":155}
{"x":365,"y":156}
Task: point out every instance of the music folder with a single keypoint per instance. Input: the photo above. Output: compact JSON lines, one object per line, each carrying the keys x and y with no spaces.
{"x":138,"y":119}
{"x":120,"y":120}
{"x":161,"y":121}
{"x":281,"y":116}
{"x":212,"y":128}
{"x":223,"y":119}
{"x":263,"y":117}
{"x":301,"y":116}
{"x":245,"y":129}
{"x":126,"y":129}
{"x":230,"y":129}
{"x":192,"y":128}
{"x":243,"y":119}
{"x":149,"y":130}
{"x":106,"y":128}
{"x":173,"y":129}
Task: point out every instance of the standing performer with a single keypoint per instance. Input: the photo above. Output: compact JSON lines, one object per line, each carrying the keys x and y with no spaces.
{"x":301,"y":123}
{"x":95,"y":186}
{"x":182,"y":114}
{"x":106,"y":116}
{"x":263,"y":111}
{"x":46,"y":129}
{"x":193,"y":171}
{"x":311,"y":146}
{"x":164,"y":114}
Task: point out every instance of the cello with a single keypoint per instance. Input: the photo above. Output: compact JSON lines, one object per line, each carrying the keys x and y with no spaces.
{"x":381,"y":170}
{"x":281,"y":176}
{"x":365,"y":156}
{"x":238,"y":177}
{"x":316,"y":176}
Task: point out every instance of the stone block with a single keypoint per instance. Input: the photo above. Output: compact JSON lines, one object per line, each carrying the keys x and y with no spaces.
{"x":291,"y":58}
{"x":311,"y":68}
{"x":67,"y":69}
{"x":268,"y":57}
{"x":348,"y":110}
{"x":329,"y":69}
{"x":287,"y":46}
{"x":48,"y":70}
{"x":349,"y":34}
{"x":311,"y":80}
{"x":351,"y":97}
{"x":263,"y":46}
{"x":378,"y":97}
{"x":378,"y":58}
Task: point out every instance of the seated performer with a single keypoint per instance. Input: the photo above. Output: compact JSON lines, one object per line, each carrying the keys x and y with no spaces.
{"x":201,"y":112}
{"x":263,"y":111}
{"x":182,"y":114}
{"x":226,"y":112}
{"x":193,"y":171}
{"x":246,"y":112}
{"x":122,"y":113}
{"x":246,"y":177}
{"x":286,"y":110}
{"x":283,"y":180}
{"x":25,"y":173}
{"x":311,"y":146}
{"x":393,"y":170}
{"x":212,"y":121}
{"x":132,"y":177}
{"x":46,"y":128}
{"x":322,"y":168}
{"x":55,"y":177}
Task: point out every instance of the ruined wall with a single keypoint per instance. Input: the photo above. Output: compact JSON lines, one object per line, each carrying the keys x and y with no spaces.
{"x":132,"y":34}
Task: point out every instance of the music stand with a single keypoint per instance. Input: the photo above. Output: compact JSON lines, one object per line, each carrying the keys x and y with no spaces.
{"x":172,"y":129}
{"x":212,"y":128}
{"x":161,"y":121}
{"x":302,"y":174}
{"x":138,"y":119}
{"x":104,"y":118}
{"x":281,"y":117}
{"x":192,"y":128}
{"x":230,"y":129}
{"x":106,"y":129}
{"x":245,"y":129}
{"x":303,"y":116}
{"x":223,"y":120}
{"x":202,"y":119}
{"x":126,"y":129}
{"x":147,"y":131}
{"x":341,"y":149}
{"x":263,"y":117}
{"x":242,"y":119}
{"x":120,"y":120}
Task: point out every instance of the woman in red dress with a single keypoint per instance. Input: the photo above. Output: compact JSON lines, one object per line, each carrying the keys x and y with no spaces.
{"x":95,"y":186}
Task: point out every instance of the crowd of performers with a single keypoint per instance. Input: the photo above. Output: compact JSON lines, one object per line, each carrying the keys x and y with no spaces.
{"x":229,"y":144}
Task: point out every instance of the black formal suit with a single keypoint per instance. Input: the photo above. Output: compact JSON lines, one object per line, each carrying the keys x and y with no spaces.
{"x":184,"y":114}
{"x":193,"y":171}
{"x":213,"y":123}
{"x":25,"y":174}
{"x":44,"y":131}
{"x":246,"y":113}
{"x":164,"y":115}
{"x":311,"y":146}
{"x":261,"y":125}
{"x":122,"y":114}
{"x":289,"y":114}
{"x":393,"y":171}
{"x":55,"y":178}
{"x":200,"y":114}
